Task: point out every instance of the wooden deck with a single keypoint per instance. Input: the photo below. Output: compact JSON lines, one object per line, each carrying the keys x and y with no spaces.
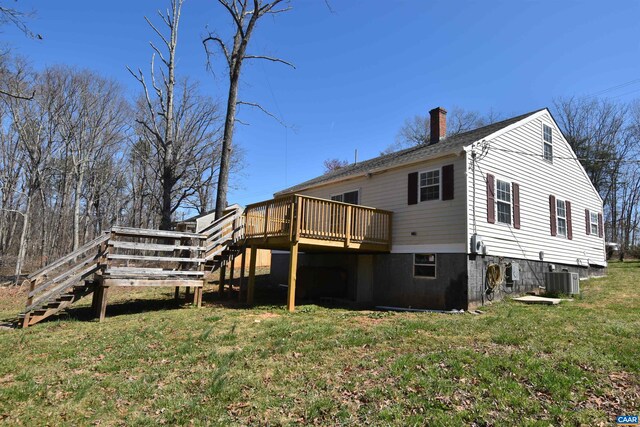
{"x":309,"y":224}
{"x":317,"y":225}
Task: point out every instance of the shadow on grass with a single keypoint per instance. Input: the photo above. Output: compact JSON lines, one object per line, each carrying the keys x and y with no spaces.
{"x":267,"y":296}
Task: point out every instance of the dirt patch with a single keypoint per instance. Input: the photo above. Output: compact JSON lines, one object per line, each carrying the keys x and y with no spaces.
{"x":368,"y":321}
{"x":622,"y":397}
{"x":265,"y":316}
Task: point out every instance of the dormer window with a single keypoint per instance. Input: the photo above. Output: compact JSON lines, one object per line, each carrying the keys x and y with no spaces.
{"x":547,"y":136}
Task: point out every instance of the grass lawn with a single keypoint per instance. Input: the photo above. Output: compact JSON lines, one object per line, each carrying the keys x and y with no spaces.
{"x":573,"y":364}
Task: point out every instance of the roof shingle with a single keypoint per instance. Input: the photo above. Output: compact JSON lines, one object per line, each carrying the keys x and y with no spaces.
{"x":408,"y":155}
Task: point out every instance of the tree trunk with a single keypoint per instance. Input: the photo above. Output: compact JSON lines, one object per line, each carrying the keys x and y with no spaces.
{"x":168,"y":180}
{"x":22,"y":251}
{"x":76,"y":208}
{"x":227,"y":139}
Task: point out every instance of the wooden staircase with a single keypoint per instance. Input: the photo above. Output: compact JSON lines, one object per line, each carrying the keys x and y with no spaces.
{"x":224,"y":244}
{"x":61,"y":283}
{"x":129,"y":257}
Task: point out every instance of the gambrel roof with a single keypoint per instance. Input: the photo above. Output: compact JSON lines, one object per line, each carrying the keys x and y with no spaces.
{"x":409,"y":155}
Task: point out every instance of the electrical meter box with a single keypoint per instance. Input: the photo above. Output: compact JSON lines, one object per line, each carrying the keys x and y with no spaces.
{"x":513,"y":272}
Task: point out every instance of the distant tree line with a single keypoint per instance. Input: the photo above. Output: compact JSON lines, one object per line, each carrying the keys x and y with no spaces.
{"x":77,"y":157}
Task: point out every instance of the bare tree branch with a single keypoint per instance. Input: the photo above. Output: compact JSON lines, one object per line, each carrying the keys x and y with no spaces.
{"x":13,"y":95}
{"x":269,"y":58}
{"x":261,"y":108}
{"x":158,"y":32}
{"x":220,"y":43}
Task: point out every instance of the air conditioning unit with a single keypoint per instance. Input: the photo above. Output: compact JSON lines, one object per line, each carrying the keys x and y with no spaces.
{"x":562,"y":282}
{"x":477,"y":245}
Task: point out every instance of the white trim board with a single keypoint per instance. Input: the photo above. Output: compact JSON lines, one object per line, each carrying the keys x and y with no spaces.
{"x":450,"y":248}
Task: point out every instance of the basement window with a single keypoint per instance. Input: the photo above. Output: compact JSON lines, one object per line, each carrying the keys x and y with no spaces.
{"x":430,"y":185}
{"x":547,"y":135}
{"x":561,"y":213}
{"x":347,"y":197}
{"x":424,"y":265}
{"x":594,"y":223}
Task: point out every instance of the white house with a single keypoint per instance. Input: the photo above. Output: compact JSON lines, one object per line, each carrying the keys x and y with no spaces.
{"x":510,"y":193}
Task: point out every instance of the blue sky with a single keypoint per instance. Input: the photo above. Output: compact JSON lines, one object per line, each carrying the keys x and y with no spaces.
{"x":361,"y":70}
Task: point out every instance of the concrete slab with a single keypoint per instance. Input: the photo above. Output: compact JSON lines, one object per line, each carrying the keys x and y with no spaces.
{"x":531,"y":299}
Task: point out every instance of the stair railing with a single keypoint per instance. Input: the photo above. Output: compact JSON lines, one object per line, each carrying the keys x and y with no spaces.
{"x":78,"y":264}
{"x":226,"y":231}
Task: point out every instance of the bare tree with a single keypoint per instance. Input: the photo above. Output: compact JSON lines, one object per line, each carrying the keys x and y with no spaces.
{"x":605,"y":135}
{"x":416,"y":130}
{"x":196,"y":140}
{"x":331,"y":165}
{"x":161,"y":124}
{"x":245,"y":14}
{"x":36,"y":137}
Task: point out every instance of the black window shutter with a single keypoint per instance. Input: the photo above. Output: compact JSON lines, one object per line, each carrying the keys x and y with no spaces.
{"x":447,"y":182}
{"x":516,"y":205}
{"x":552,"y":215}
{"x":491,"y":199}
{"x":412,"y":189}
{"x":569,"y":222}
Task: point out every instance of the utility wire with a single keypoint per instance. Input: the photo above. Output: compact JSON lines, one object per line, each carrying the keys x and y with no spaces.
{"x":613,"y":88}
{"x":527,"y":153}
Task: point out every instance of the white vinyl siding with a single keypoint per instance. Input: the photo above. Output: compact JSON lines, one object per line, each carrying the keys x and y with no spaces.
{"x":436,"y":226}
{"x":538,"y":178}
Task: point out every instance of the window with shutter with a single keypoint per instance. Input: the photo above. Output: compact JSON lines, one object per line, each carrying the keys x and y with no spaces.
{"x":595,"y":226}
{"x":561,"y":215}
{"x":503,"y":197}
{"x":430,"y":185}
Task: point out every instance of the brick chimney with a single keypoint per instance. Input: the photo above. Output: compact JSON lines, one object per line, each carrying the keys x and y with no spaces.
{"x":438,"y":124}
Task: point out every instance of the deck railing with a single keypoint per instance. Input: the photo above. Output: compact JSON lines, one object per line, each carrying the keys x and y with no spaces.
{"x":303,"y":217}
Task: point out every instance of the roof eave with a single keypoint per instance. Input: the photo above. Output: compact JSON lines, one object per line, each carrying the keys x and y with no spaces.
{"x":455,"y":152}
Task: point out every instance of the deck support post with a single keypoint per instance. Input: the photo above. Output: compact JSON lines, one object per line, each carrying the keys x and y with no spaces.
{"x":104,"y":291}
{"x":197,"y":295}
{"x":252,"y":275}
{"x":231,"y":268}
{"x":242,"y":291}
{"x":293,"y":265}
{"x":176,"y":294}
{"x":223,"y":276}
{"x":27,"y":315}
